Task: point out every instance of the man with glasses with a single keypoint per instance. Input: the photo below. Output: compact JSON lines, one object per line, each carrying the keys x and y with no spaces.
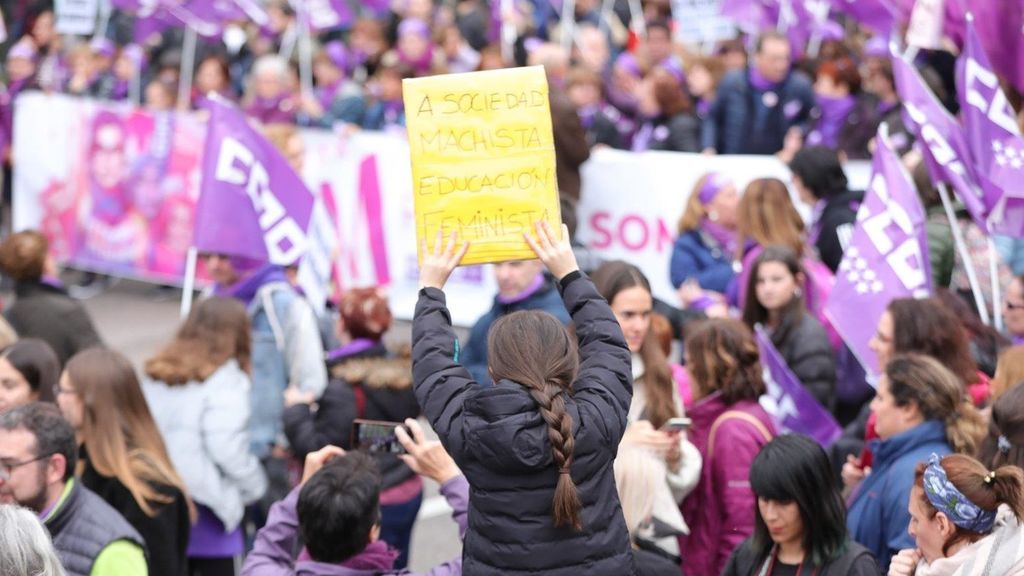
{"x":37,"y":470}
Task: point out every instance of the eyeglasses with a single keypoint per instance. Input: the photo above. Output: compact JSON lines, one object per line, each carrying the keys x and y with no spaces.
{"x":7,"y":468}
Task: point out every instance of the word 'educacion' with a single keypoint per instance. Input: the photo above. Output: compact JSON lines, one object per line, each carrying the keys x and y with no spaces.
{"x":527,"y":179}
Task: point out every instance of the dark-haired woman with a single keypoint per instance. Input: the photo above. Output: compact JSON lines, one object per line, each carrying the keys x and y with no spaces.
{"x":1004,"y":444}
{"x":920,"y":409}
{"x":198,"y":393}
{"x":729,"y":429}
{"x":800,"y":519}
{"x":821,"y":183}
{"x":656,"y":398}
{"x":43,"y":308}
{"x":537,"y":447}
{"x":965,"y":520}
{"x":29,"y":370}
{"x":775,"y":300}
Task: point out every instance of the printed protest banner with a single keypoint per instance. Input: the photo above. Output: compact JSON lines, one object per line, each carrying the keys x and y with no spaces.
{"x":113,"y":188}
{"x":76,"y":17}
{"x":887,"y":257}
{"x":483,"y":159}
{"x":249,"y":184}
{"x":788,"y":402}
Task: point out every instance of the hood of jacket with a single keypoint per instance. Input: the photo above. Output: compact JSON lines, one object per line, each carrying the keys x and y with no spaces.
{"x":505,"y":430}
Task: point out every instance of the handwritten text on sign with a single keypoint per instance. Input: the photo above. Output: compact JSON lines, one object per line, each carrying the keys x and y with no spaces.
{"x":483,"y":159}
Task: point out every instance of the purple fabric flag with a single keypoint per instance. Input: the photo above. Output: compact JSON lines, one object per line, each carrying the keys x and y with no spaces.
{"x":794,"y":17}
{"x":328,"y":14}
{"x":943,"y":142}
{"x":879,"y":15}
{"x":887,"y":257}
{"x":999,"y":24}
{"x":790,"y":404}
{"x":993,"y":137}
{"x":251,"y":202}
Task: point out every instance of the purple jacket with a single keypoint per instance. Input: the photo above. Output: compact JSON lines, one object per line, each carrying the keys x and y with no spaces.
{"x":272,"y":552}
{"x":720,"y":510}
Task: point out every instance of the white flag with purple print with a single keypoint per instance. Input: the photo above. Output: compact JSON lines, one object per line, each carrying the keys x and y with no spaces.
{"x":887,"y":257}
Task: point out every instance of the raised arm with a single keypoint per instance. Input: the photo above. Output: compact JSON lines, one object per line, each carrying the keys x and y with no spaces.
{"x":605,"y":381}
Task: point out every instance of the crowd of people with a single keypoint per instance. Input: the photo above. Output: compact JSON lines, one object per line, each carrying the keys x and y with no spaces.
{"x":585,"y":426}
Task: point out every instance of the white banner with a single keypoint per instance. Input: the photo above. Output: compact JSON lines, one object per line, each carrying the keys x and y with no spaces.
{"x":76,"y":17}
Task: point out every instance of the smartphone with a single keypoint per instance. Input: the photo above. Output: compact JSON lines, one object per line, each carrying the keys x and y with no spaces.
{"x":677,"y":425}
{"x":377,"y":437}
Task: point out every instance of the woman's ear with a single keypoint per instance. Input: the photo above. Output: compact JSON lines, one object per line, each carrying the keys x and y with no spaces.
{"x":946,"y":527}
{"x":801,"y":280}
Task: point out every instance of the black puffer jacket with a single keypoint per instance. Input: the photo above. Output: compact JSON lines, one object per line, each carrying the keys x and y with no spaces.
{"x":809,"y":355}
{"x":835,"y":228}
{"x":855,"y":561}
{"x":498,"y":438}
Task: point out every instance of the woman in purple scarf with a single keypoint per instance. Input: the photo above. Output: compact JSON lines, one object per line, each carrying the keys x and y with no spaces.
{"x":415,"y":50}
{"x":846,"y":118}
{"x":271,"y":101}
{"x":704,"y":249}
{"x":336,"y":97}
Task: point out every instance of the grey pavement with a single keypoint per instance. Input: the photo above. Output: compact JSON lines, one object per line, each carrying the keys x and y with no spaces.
{"x":137,"y":319}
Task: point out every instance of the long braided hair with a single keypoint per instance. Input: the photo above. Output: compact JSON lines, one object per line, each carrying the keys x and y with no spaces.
{"x":533,"y":349}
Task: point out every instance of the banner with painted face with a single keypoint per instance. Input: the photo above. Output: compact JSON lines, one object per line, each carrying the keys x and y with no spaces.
{"x":113,"y":188}
{"x":887,"y":257}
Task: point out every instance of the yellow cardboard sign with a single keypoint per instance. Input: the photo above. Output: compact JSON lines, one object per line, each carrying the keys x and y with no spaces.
{"x":483,"y":159}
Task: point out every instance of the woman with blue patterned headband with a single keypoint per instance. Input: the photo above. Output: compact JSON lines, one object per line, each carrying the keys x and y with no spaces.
{"x":966,"y":520}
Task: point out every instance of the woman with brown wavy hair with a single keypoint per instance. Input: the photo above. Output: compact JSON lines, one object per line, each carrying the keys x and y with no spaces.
{"x":729,"y":429}
{"x":122,"y":455}
{"x":199,"y":395}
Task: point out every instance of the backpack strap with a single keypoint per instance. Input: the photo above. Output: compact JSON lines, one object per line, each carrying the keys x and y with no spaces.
{"x":734,"y":415}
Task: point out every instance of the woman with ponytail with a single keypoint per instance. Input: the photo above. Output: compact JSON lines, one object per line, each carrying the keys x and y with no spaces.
{"x":538,"y":446}
{"x":965,"y":520}
{"x":920,"y":409}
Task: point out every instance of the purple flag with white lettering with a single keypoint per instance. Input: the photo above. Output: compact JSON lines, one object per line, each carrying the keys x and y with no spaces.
{"x":993,"y":137}
{"x":944,"y":144}
{"x":789,"y":403}
{"x":251,"y":202}
{"x":887,"y":257}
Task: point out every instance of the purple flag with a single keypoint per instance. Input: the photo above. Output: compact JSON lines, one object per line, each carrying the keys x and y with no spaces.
{"x":795,"y":17}
{"x":879,"y":15}
{"x":999,"y":24}
{"x":887,"y":257}
{"x":251,"y":202}
{"x":944,"y":144}
{"x":993,"y":137}
{"x":328,"y":14}
{"x":789,"y":403}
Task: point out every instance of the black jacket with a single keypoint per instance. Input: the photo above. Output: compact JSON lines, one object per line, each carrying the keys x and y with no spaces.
{"x":47,"y":312}
{"x":371,"y":385}
{"x":499,"y":440}
{"x":809,"y":355}
{"x":856,"y":561}
{"x":679,"y":133}
{"x":835,"y":227}
{"x":166,"y":535}
{"x":83,"y":526}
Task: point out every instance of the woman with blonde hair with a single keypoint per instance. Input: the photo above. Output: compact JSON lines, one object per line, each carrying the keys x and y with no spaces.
{"x":198,"y":390}
{"x":122,"y":457}
{"x":704,"y":249}
{"x":920,"y":409}
{"x":1009,"y":372}
{"x":636,"y":479}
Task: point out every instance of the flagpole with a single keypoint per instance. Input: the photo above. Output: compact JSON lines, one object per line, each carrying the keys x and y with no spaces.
{"x":188,"y":62}
{"x":606,"y":8}
{"x":636,"y":18}
{"x":507,"y":33}
{"x":189,"y":285}
{"x":993,"y":270}
{"x":305,"y":51}
{"x":568,"y":24}
{"x":961,"y":247}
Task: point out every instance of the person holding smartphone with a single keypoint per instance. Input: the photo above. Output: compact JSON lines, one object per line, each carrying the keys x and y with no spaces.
{"x":656,"y":415}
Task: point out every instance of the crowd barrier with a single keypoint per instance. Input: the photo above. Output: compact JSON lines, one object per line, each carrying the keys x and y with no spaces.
{"x":115,"y":190}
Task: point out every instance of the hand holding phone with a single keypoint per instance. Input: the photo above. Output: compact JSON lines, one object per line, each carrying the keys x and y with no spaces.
{"x":676,"y":425}
{"x":377,"y":437}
